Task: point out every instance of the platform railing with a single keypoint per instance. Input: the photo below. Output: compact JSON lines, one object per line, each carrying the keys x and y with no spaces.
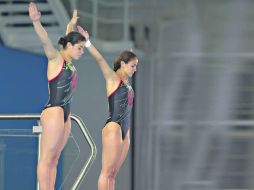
{"x":84,"y":130}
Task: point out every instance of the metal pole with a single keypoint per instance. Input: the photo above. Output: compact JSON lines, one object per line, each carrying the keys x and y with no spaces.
{"x":39,"y":153}
{"x":126,"y":20}
{"x":95,"y":18}
{"x":2,"y":161}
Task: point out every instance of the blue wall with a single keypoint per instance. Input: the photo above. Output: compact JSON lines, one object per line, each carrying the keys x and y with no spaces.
{"x":23,"y":81}
{"x":23,"y":90}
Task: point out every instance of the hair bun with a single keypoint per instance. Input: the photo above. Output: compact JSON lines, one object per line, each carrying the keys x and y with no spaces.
{"x":62,"y":41}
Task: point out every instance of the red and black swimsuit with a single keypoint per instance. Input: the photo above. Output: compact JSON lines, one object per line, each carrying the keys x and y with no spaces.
{"x":61,"y":88}
{"x":120,"y":106}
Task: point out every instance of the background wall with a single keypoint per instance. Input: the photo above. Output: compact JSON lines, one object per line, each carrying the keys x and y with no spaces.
{"x":23,"y":90}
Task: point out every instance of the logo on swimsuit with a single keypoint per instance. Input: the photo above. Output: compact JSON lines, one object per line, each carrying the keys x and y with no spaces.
{"x":69,"y":66}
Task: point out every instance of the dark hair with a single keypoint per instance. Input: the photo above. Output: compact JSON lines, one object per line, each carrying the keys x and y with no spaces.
{"x":124,"y":56}
{"x":72,"y":37}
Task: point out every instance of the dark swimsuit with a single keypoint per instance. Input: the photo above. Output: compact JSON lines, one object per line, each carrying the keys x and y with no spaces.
{"x":120,"y":106}
{"x":61,"y":89}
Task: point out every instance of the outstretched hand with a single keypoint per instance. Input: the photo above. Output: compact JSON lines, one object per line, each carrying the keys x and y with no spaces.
{"x":74,"y":18}
{"x":34,"y":14}
{"x":83,"y":32}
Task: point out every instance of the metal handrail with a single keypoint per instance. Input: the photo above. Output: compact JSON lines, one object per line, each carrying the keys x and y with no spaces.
{"x":84,"y":131}
{"x":92,"y":155}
